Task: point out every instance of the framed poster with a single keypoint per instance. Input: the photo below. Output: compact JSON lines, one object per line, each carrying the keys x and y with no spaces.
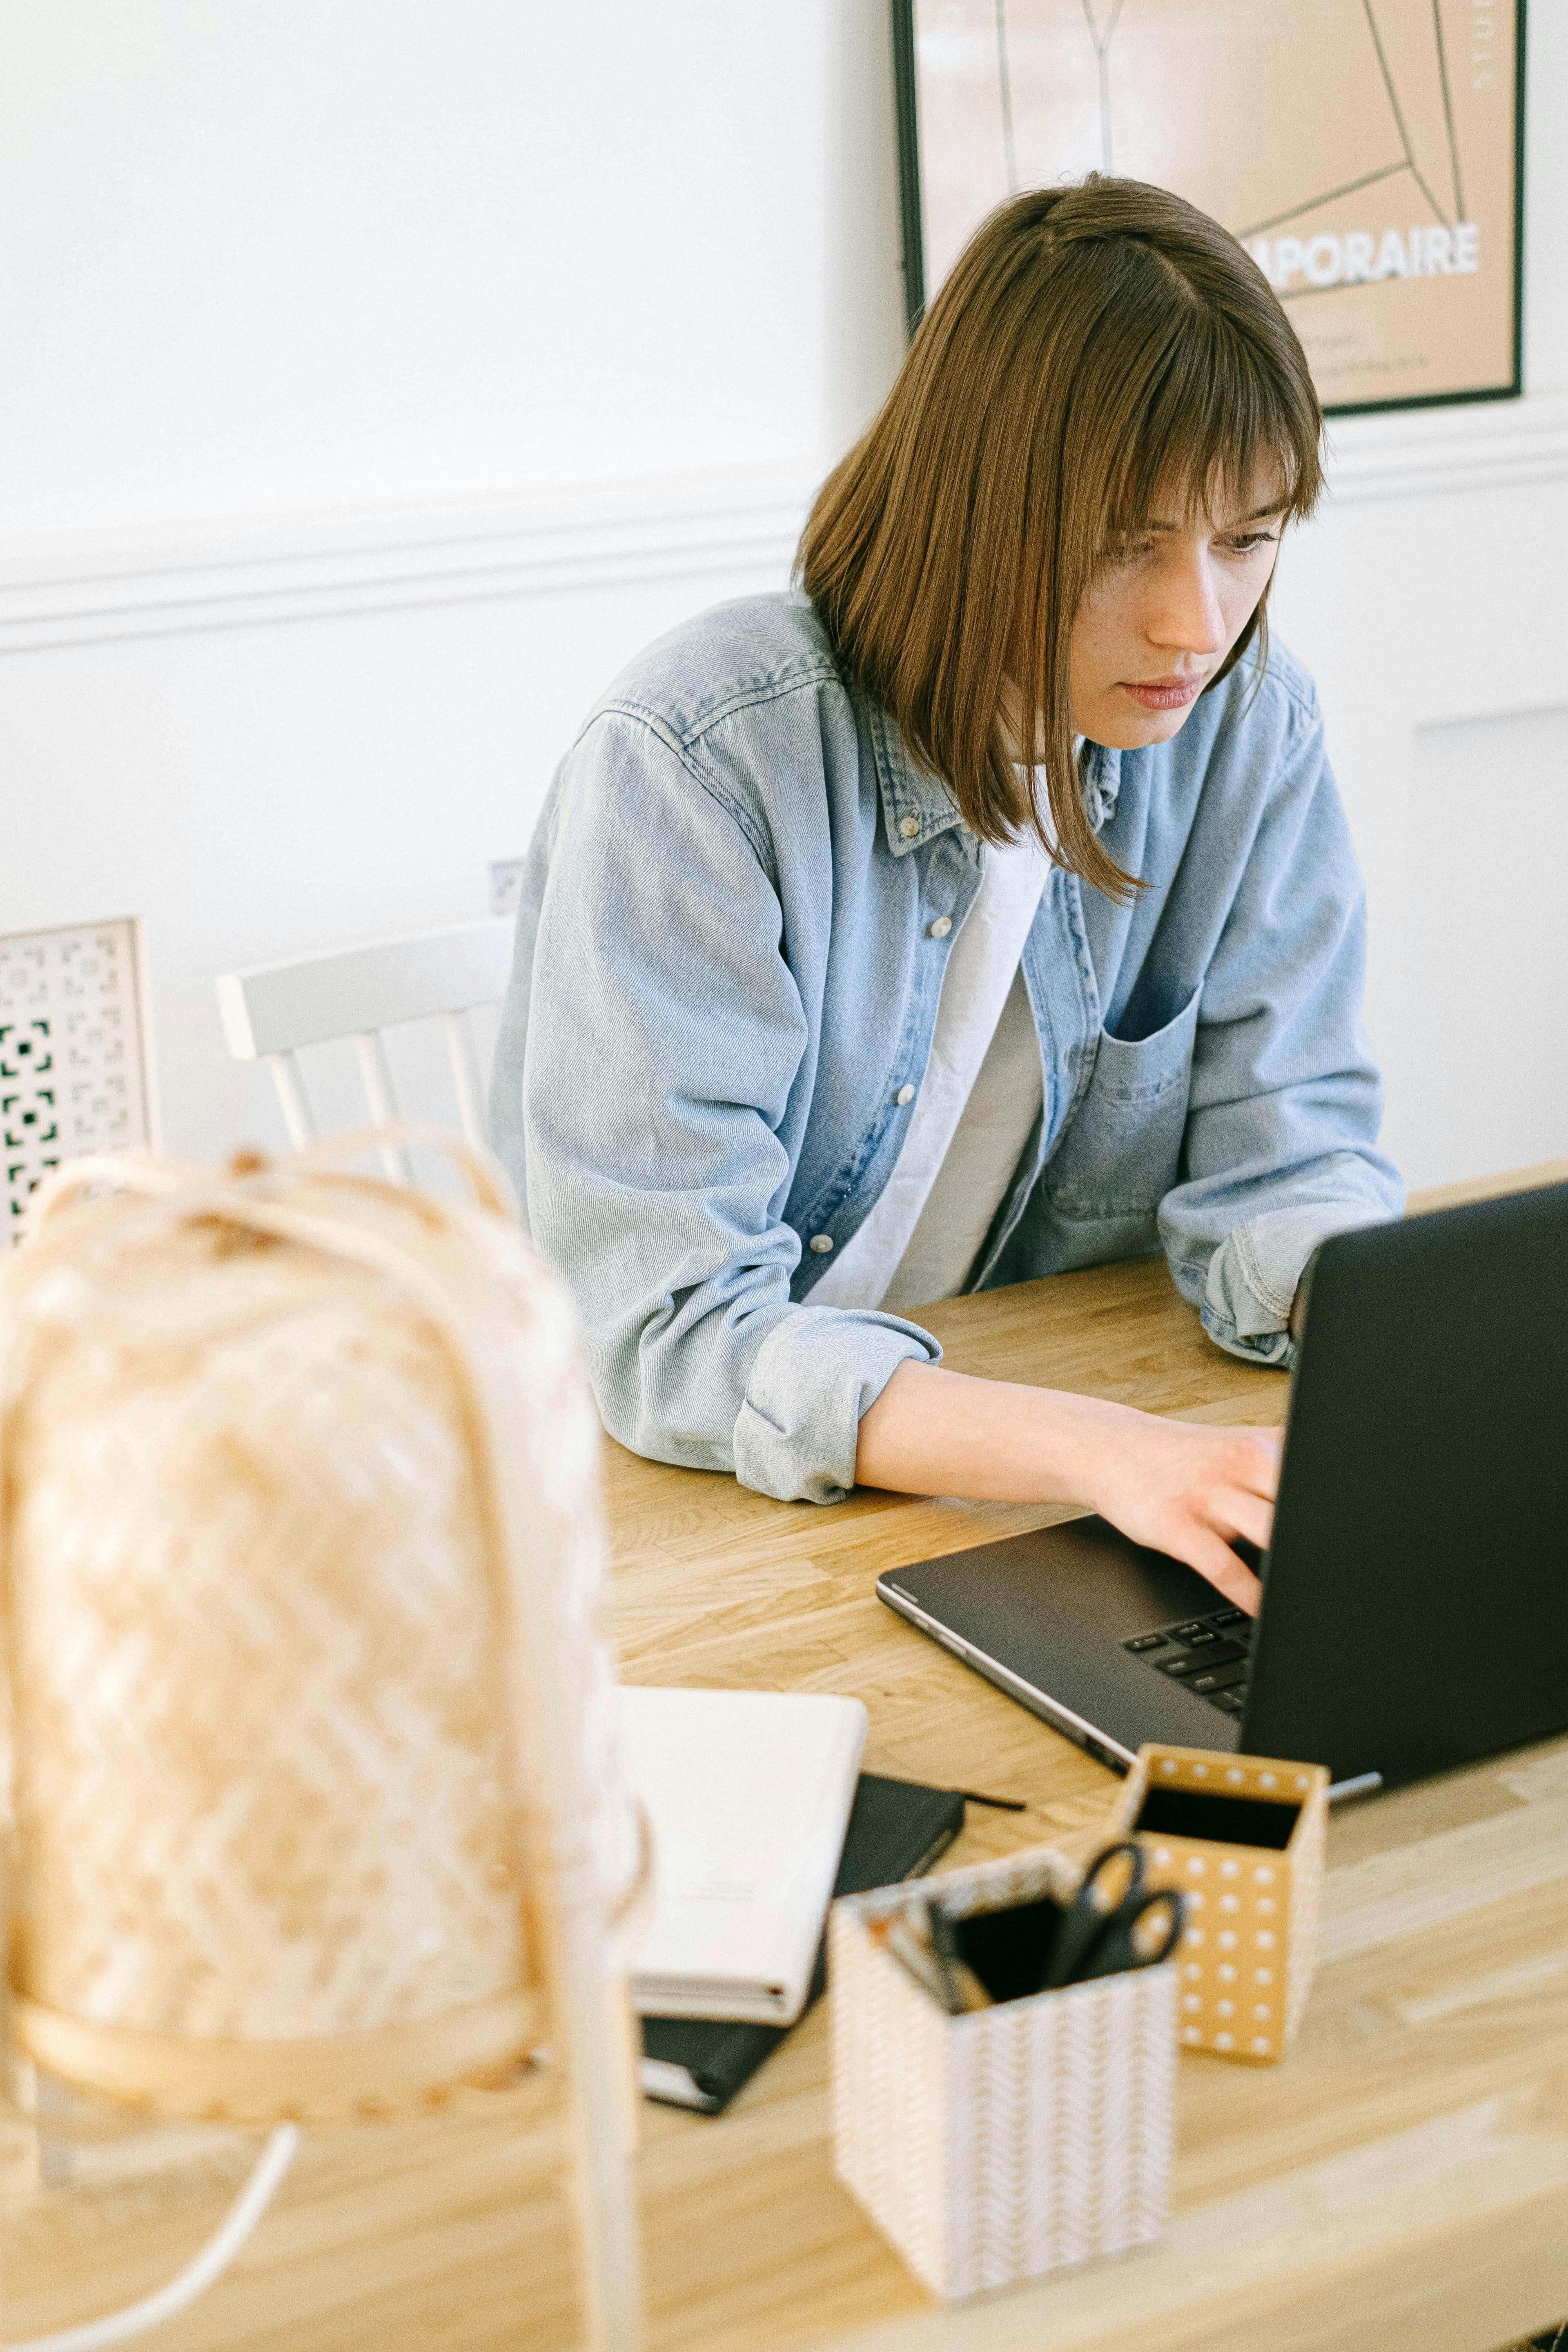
{"x":1368,"y":153}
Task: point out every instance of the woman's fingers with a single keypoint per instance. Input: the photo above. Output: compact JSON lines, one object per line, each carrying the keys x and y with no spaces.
{"x":1242,"y":1505}
{"x":1225,"y":1571}
{"x":1240,"y":1514}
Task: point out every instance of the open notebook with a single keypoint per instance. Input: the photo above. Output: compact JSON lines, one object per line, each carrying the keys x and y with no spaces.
{"x":749,"y":1794}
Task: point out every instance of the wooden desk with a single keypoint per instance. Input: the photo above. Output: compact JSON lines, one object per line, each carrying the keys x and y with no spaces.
{"x":1400,"y":2184}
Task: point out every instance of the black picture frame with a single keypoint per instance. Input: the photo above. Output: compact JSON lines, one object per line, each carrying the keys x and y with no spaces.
{"x":906,"y":80}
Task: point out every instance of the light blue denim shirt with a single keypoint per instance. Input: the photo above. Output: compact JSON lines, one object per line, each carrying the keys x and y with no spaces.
{"x":734,"y":930}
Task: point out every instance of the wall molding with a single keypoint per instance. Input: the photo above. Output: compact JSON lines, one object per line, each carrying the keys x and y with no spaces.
{"x":1424,"y":452}
{"x":743,"y":521}
{"x":254,"y":571}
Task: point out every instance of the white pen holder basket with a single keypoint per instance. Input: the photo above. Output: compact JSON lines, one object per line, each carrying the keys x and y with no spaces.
{"x":995,"y":2147}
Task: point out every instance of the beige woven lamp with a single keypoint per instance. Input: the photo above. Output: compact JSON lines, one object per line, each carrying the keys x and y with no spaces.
{"x":315,"y":1788}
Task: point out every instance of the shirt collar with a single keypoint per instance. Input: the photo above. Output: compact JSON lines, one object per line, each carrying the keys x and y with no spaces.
{"x":917,"y":806}
{"x":1101,"y":773}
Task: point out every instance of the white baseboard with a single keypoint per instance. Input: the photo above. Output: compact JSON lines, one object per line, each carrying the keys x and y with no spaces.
{"x":741,"y":522}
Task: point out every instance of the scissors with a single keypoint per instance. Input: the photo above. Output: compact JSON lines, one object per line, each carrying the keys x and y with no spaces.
{"x":1105,"y":1931}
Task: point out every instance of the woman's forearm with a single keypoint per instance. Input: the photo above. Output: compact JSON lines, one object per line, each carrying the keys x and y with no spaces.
{"x":932,"y":1432}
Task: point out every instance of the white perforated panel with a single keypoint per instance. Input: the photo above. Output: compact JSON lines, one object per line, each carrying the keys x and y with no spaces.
{"x":73,"y":1067}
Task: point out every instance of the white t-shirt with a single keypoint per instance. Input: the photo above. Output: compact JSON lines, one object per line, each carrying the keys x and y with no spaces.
{"x":976,"y":1110}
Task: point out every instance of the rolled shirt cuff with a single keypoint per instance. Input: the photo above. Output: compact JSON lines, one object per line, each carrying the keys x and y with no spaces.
{"x":816,"y":1372}
{"x":1254,"y":1274}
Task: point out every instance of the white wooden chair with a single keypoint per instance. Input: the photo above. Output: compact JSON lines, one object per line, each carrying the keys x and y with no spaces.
{"x":271,"y":1011}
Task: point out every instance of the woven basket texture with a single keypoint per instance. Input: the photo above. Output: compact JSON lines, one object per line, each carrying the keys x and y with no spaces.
{"x":996,"y":2146}
{"x":268,"y":1782}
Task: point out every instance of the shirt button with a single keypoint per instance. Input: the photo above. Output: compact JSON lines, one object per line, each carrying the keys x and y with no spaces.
{"x":822,"y":1243}
{"x":908,"y":826}
{"x":939,"y":928}
{"x":904,"y":1095}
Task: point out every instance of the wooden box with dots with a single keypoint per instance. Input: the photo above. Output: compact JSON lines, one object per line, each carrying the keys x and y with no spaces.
{"x":1243,"y":1837}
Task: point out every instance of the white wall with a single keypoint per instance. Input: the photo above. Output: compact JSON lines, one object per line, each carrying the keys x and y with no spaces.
{"x":379,"y":373}
{"x":1434,"y":624}
{"x":1491,"y":789}
{"x":270,"y":254}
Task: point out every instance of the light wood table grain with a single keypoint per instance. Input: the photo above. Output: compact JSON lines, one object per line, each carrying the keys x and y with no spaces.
{"x":1400,"y":2183}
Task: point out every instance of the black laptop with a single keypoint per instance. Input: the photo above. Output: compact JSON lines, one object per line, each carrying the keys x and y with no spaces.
{"x":1416,"y":1592}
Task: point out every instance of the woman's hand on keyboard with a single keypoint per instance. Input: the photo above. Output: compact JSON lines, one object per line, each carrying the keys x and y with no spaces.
{"x":1177,"y":1486}
{"x":1191,"y":1490}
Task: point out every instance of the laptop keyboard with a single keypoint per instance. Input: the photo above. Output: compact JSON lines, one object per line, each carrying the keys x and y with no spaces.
{"x":1210,"y":1655}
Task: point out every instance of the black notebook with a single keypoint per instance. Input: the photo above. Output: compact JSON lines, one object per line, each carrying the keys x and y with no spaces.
{"x":897,"y":1829}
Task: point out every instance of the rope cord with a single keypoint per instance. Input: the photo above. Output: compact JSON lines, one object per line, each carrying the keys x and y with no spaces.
{"x":197,"y":2276}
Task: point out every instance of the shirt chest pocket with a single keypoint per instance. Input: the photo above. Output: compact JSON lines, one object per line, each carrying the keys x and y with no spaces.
{"x":1120,"y":1153}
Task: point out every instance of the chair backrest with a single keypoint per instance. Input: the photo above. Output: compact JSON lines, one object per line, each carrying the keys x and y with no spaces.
{"x":271,"y":1011}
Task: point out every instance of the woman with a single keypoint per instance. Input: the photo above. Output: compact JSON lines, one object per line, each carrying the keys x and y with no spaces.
{"x":984,"y":910}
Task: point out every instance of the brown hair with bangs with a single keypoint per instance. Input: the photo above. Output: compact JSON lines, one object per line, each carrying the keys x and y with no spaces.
{"x":1094,"y":348}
